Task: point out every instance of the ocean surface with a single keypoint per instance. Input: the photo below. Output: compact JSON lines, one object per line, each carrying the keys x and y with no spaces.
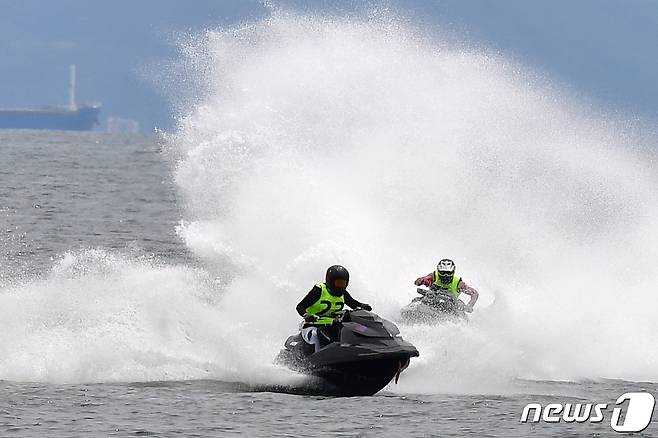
{"x":147,"y":283}
{"x":86,"y":214}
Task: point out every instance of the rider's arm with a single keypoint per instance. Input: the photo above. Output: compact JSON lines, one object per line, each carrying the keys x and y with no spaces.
{"x":466,"y":289}
{"x":351,"y":302}
{"x":311,"y":297}
{"x":426,"y":280}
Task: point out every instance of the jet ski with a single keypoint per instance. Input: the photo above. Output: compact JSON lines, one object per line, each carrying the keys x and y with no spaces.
{"x":434,"y":305}
{"x":367,"y":354}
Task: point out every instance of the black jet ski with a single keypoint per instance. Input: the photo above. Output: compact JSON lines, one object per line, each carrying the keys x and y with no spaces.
{"x":434,"y":305}
{"x":367,"y":355}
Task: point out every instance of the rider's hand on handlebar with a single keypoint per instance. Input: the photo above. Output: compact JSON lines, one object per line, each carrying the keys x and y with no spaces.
{"x":310,"y":318}
{"x":367,"y":307}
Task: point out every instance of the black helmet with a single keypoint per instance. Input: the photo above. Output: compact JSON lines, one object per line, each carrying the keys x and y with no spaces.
{"x":446,"y":270}
{"x":337,"y":278}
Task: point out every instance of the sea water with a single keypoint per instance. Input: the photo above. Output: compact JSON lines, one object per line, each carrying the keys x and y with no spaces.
{"x":146,"y":283}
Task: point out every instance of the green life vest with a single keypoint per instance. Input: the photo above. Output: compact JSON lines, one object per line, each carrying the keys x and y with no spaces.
{"x":449,"y":287}
{"x":326,"y":307}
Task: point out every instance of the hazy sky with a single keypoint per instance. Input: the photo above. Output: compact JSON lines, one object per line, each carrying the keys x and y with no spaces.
{"x":604,"y":50}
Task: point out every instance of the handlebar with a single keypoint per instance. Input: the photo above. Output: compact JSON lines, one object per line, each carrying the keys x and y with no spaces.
{"x":424,"y":292}
{"x":443,"y":293}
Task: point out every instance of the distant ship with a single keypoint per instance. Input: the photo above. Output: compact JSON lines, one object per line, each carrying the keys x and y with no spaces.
{"x":67,"y":118}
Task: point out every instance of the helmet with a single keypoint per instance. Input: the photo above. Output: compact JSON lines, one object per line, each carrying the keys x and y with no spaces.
{"x":337,"y":278}
{"x":446,"y":270}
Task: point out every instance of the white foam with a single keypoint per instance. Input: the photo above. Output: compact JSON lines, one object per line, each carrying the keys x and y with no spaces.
{"x":103,"y":317}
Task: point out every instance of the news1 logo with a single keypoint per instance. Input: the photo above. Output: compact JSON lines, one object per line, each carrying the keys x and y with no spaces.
{"x":636,"y":418}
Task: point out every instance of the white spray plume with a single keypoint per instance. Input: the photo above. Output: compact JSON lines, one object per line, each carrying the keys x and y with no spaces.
{"x":365,"y":142}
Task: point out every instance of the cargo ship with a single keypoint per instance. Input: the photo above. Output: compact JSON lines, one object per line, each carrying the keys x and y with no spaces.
{"x":73,"y":117}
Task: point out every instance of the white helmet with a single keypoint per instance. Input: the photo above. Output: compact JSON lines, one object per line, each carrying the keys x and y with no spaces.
{"x":446,"y":266}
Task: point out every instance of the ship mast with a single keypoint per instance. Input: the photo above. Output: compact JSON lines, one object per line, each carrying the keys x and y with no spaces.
{"x":72,"y":103}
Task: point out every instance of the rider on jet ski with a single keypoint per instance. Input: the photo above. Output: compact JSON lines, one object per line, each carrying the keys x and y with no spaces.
{"x":444,"y":278}
{"x":320,"y":306}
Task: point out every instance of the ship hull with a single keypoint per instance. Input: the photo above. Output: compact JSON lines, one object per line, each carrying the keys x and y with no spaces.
{"x":80,"y":119}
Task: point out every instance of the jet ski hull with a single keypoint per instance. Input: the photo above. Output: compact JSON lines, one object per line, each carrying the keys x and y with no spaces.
{"x":420,"y":313}
{"x":351,"y":379}
{"x":433,"y":307}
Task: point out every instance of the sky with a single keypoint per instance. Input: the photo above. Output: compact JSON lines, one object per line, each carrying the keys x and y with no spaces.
{"x":605,"y":51}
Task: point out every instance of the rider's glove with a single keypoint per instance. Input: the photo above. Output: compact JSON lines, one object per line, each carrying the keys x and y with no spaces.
{"x":310,"y":318}
{"x":367,"y":307}
{"x":468,"y":308}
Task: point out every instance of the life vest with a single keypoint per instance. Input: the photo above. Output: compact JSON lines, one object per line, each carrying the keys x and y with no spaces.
{"x":449,"y":287}
{"x":326,"y":307}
